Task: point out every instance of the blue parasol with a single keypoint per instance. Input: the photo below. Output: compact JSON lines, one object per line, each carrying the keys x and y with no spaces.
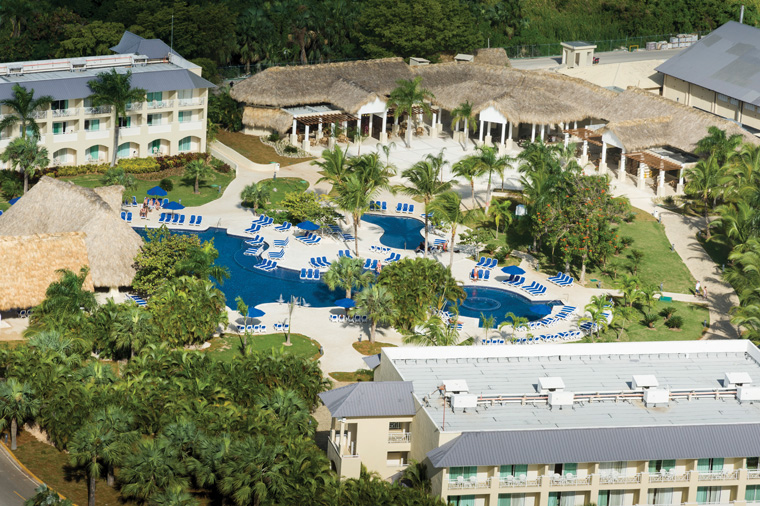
{"x":308,"y":225}
{"x":345,"y":303}
{"x":13,"y":201}
{"x":157,"y":191}
{"x":174,"y":206}
{"x":254,"y":312}
{"x":512,"y":269}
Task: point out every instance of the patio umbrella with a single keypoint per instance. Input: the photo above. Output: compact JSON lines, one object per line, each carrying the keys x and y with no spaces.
{"x":512,"y":269}
{"x":254,"y":312}
{"x":345,"y":303}
{"x":13,"y":201}
{"x":157,"y":191}
{"x":308,"y":226}
{"x":541,"y":309}
{"x":174,"y":206}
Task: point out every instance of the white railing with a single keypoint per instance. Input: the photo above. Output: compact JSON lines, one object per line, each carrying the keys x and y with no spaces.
{"x":510,"y":481}
{"x":718,"y":475}
{"x":39,"y":114}
{"x":753,"y":474}
{"x":336,"y":447}
{"x":619,"y":478}
{"x":469,"y":484}
{"x":134,"y":106}
{"x":667,"y":477}
{"x":406,"y":437}
{"x":568,"y":481}
{"x":65,"y":113}
{"x":103,"y":109}
{"x":184,"y":102}
{"x":160,"y":104}
{"x":66,"y":132}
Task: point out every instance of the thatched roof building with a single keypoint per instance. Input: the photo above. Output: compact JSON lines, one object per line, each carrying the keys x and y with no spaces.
{"x":31,"y":262}
{"x":519,"y":96}
{"x":54,"y":207}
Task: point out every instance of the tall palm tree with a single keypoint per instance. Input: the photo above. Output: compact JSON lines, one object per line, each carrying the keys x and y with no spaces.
{"x":115,"y":89}
{"x":152,"y":468}
{"x":377,"y":303}
{"x":256,"y":194}
{"x":500,"y":212}
{"x":737,"y":224}
{"x":424,"y":184}
{"x":448,"y":208}
{"x":597,"y":318}
{"x":198,"y":169}
{"x":133,"y":329}
{"x":464,"y":113}
{"x":67,"y":295}
{"x":23,"y":108}
{"x":334,"y":164}
{"x":717,"y":144}
{"x":405,"y":98}
{"x":347,"y":273}
{"x":489,"y":162}
{"x":18,"y":405}
{"x":703,"y":182}
{"x":251,"y":472}
{"x":86,"y":449}
{"x":354,"y":197}
{"x":629,"y":286}
{"x":26,"y":156}
{"x":434,"y":332}
{"x":469,"y":169}
{"x":117,"y":425}
{"x":515,"y":322}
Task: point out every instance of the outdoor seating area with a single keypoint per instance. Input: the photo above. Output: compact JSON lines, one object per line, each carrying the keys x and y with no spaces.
{"x":376,"y":205}
{"x":137,"y":300}
{"x":370,"y":264}
{"x":486,"y":263}
{"x":276,"y":255}
{"x":309,"y":239}
{"x":284,"y":227}
{"x":319,"y":262}
{"x":590,"y":327}
{"x":480,"y":275}
{"x":310,"y":274}
{"x":266,"y":265}
{"x":345,"y":253}
{"x":334,"y":318}
{"x":561,"y":279}
{"x":126,"y":216}
{"x":405,"y":208}
{"x":252,"y":329}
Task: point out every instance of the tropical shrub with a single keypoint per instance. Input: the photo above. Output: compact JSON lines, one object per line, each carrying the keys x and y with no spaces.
{"x":667,"y":312}
{"x":674,"y":322}
{"x":274,"y":136}
{"x":158,"y":258}
{"x":291,"y":150}
{"x":166,"y":184}
{"x":12,"y":188}
{"x":303,"y":206}
{"x":649,"y":320}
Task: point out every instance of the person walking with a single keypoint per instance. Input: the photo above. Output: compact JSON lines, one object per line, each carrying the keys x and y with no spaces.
{"x":698,"y":289}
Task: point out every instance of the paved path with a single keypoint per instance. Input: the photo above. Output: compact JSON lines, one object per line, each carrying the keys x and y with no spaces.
{"x":15,"y":485}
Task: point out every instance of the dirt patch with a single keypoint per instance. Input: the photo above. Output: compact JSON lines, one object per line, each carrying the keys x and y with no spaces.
{"x":367,"y":348}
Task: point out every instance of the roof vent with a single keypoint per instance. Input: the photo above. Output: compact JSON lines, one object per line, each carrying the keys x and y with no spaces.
{"x":15,"y":69}
{"x":644,"y":381}
{"x":464,"y":58}
{"x":458,"y":386}
{"x":414,"y":61}
{"x":656,"y":396}
{"x":464,"y":401}
{"x":549,"y":384}
{"x":736,"y":379}
{"x":561,"y":399}
{"x":746,"y":394}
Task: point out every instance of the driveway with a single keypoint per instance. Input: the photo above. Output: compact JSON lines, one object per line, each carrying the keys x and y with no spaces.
{"x":15,"y":485}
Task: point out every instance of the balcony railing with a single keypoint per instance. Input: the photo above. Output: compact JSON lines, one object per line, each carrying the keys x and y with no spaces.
{"x":66,"y":132}
{"x":718,"y":475}
{"x":39,"y":114}
{"x":160,"y":104}
{"x":65,"y":113}
{"x":184,"y":102}
{"x":667,"y":477}
{"x":511,"y":481}
{"x":472,"y":483}
{"x":103,"y":109}
{"x":400,"y":438}
{"x":336,"y":447}
{"x":134,"y":106}
{"x":753,"y":474}
{"x":614,"y":478}
{"x":568,"y":481}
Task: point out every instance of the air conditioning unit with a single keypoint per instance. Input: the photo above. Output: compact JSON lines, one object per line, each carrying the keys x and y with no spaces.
{"x":656,"y":396}
{"x":736,"y":379}
{"x":748,"y":394}
{"x":644,"y":381}
{"x":550,"y":384}
{"x":464,"y":401}
{"x":561,"y":399}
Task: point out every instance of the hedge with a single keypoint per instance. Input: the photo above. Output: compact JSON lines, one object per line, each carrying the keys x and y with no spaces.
{"x":166,"y":165}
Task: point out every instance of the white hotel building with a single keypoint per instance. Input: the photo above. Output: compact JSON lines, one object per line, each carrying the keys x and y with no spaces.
{"x":171,"y":120}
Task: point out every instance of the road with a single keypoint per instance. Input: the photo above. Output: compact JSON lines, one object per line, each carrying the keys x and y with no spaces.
{"x":604,"y":58}
{"x":15,"y":484}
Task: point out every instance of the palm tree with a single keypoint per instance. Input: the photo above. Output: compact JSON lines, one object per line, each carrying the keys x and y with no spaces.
{"x":17,"y":406}
{"x":354,"y":197}
{"x":621,"y":315}
{"x":26,"y":156}
{"x":464,"y":113}
{"x":434,"y":332}
{"x":117,"y":176}
{"x":629,"y":285}
{"x":489,"y":162}
{"x":198,"y":169}
{"x":117,"y":427}
{"x":256,"y":194}
{"x":152,"y":468}
{"x":737,"y":223}
{"x":424,"y":184}
{"x":717,"y":144}
{"x":703,"y":182}
{"x":405,"y":98}
{"x":448,"y":208}
{"x":67,"y":296}
{"x":252,"y":471}
{"x":175,"y":495}
{"x":376,"y":302}
{"x":85,"y":449}
{"x":23,"y":108}
{"x":347,"y":273}
{"x":469,"y":169}
{"x":597,"y":318}
{"x":133,"y":329}
{"x":334,"y":164}
{"x":115,"y":89}
{"x":648,"y":295}
{"x":500,"y":211}
{"x":514,"y":321}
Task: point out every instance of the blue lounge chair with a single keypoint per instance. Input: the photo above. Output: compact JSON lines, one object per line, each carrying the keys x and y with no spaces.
{"x":276,"y":254}
{"x":181,"y":219}
{"x":162,"y":218}
{"x":257,"y":239}
{"x":486,"y":275}
{"x":192,"y":220}
{"x":481,"y":262}
{"x":383,"y":206}
{"x":398,"y":207}
{"x":303,"y":274}
{"x":251,"y":252}
{"x":316,"y":274}
{"x":174,"y":220}
{"x":129,"y":217}
{"x":367,"y":264}
{"x":134,"y":201}
{"x":405,"y":208}
{"x":324,"y":262}
{"x":253,"y":229}
{"x":374,"y":264}
{"x":411,"y":208}
{"x":124,"y":215}
{"x":198,"y":221}
{"x":284,"y":227}
{"x":344,"y":253}
{"x":281,"y":243}
{"x":348,"y":237}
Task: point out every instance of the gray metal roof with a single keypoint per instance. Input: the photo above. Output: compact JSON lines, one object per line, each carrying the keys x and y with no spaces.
{"x":381,"y":398}
{"x":372,"y":361}
{"x":131,"y":43}
{"x":598,"y":445}
{"x":726,"y":61}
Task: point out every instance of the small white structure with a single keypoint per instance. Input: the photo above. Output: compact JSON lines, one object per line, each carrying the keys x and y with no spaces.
{"x":464,"y":58}
{"x":414,"y":61}
{"x":577,"y":54}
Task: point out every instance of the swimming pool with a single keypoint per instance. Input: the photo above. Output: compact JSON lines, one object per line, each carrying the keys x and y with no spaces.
{"x":497,"y":303}
{"x":398,"y":232}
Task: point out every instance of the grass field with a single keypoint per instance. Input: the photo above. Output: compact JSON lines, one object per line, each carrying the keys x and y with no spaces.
{"x":367,"y":348}
{"x":353,"y":377}
{"x":282,"y":186}
{"x":252,"y":148}
{"x":227,"y":347}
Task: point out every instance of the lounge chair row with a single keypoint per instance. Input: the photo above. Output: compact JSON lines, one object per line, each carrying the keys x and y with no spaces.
{"x":370,"y":264}
{"x":589,"y":327}
{"x":547,"y":321}
{"x":494,"y":340}
{"x":480,"y":275}
{"x":571,"y":335}
{"x":335,"y":318}
{"x":284,"y":227}
{"x":179,"y":219}
{"x":534,"y":288}
{"x":345,"y":253}
{"x":394,"y":257}
{"x":276,"y":255}
{"x":378,"y":205}
{"x":281,"y":327}
{"x":486,"y":263}
{"x":440,"y":242}
{"x":319,"y":262}
{"x":561,"y":279}
{"x":309,"y":238}
{"x":379,"y":249}
{"x":253,"y":329}
{"x":126,"y":216}
{"x":256,"y":240}
{"x":263,"y":221}
{"x":405,"y":208}
{"x":312,"y":274}
{"x":138,"y":300}
{"x":266,"y":265}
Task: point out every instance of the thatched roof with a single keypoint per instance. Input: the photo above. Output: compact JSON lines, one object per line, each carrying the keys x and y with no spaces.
{"x":521,"y":96}
{"x":54,"y":206}
{"x":113,"y":195}
{"x":492,"y":56}
{"x":30,"y":263}
{"x":267,"y":117}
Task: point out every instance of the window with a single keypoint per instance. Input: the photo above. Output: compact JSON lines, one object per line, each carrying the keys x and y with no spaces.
{"x":184,"y":144}
{"x":752,"y":494}
{"x":710,"y":465}
{"x":184,"y":94}
{"x":29,"y":130}
{"x":57,"y":105}
{"x":59,"y":127}
{"x":511,"y":500}
{"x":708,"y":495}
{"x":606,"y":468}
{"x":394,"y":426}
{"x":722,"y":97}
{"x":516,"y":471}
{"x":154,"y":96}
{"x":753,"y":463}
{"x":154,"y":119}
{"x":125,"y":122}
{"x":123,"y":151}
{"x":660,"y":496}
{"x":154,"y":146}
{"x":462,"y":500}
{"x":749,"y":107}
{"x":658,"y":466}
{"x":733,"y":101}
{"x":561,"y":499}
{"x":92,"y":125}
{"x":465,"y":472}
{"x":93,"y":153}
{"x":88,"y":102}
{"x":611,"y":498}
{"x":566,"y":468}
{"x":185,"y":116}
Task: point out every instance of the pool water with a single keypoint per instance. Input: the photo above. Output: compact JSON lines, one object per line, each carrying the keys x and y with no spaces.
{"x":398,"y":232}
{"x":254,"y":285}
{"x":497,"y":303}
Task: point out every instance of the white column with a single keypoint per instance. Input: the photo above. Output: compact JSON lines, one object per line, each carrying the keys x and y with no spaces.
{"x":679,"y":188}
{"x":575,"y":125}
{"x":661,"y":183}
{"x":533,"y":133}
{"x":603,"y":162}
{"x":293,"y":133}
{"x":542,"y":133}
{"x":641,"y":181}
{"x":567,"y":139}
{"x":319,"y":129}
{"x":504,"y":132}
{"x":621,"y":167}
{"x":306,"y":144}
{"x":434,"y":125}
{"x":371,"y":122}
{"x":383,"y":133}
{"x":342,"y":437}
{"x":584,"y":153}
{"x":480,"y":134}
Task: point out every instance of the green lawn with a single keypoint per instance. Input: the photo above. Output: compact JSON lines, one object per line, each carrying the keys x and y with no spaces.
{"x":227,"y":347}
{"x":693,"y":315}
{"x":183,"y":187}
{"x":282,"y":186}
{"x":367,"y":348}
{"x":4,"y":205}
{"x":252,"y":148}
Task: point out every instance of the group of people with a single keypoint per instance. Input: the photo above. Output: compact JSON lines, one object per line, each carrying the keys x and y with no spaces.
{"x":148,"y":205}
{"x":442,"y":248}
{"x":700,"y":290}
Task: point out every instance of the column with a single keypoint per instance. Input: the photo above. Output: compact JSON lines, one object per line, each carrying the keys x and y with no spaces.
{"x":480,"y":134}
{"x":621,"y":167}
{"x":383,"y":133}
{"x":319,"y":128}
{"x":342,"y":436}
{"x":371,"y":122}
{"x":567,"y":139}
{"x":533,"y":133}
{"x":294,"y":133}
{"x":331,"y":138}
{"x":395,"y":123}
{"x":359,"y":127}
{"x":434,"y":125}
{"x":603,"y":162}
{"x":661,"y":183}
{"x":641,"y":183}
{"x":488,"y":137}
{"x":510,"y":137}
{"x":680,"y":186}
{"x":542,"y":133}
{"x":575,"y":125}
{"x":306,"y":145}
{"x":502,"y":145}
{"x":584,"y":154}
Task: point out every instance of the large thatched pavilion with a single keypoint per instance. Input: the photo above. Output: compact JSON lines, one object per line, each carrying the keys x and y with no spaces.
{"x":653,"y":133}
{"x":58,"y":207}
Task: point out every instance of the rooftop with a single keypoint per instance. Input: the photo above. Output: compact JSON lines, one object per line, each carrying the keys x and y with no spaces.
{"x":505,"y":382}
{"x":381,"y":398}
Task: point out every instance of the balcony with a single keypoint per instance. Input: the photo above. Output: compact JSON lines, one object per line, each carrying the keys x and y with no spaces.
{"x":667,"y":477}
{"x":187,"y":102}
{"x":129,"y":131}
{"x":405,"y":437}
{"x":39,"y":114}
{"x":97,"y":134}
{"x":753,"y":474}
{"x":134,"y":106}
{"x":160,"y":104}
{"x":69,"y":136}
{"x":191,"y":125}
{"x":93,"y":111}
{"x":159,"y":129}
{"x":471,"y":484}
{"x":615,"y":479}
{"x":522,"y":481}
{"x":718,"y":475}
{"x":65,"y":113}
{"x":568,"y":481}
